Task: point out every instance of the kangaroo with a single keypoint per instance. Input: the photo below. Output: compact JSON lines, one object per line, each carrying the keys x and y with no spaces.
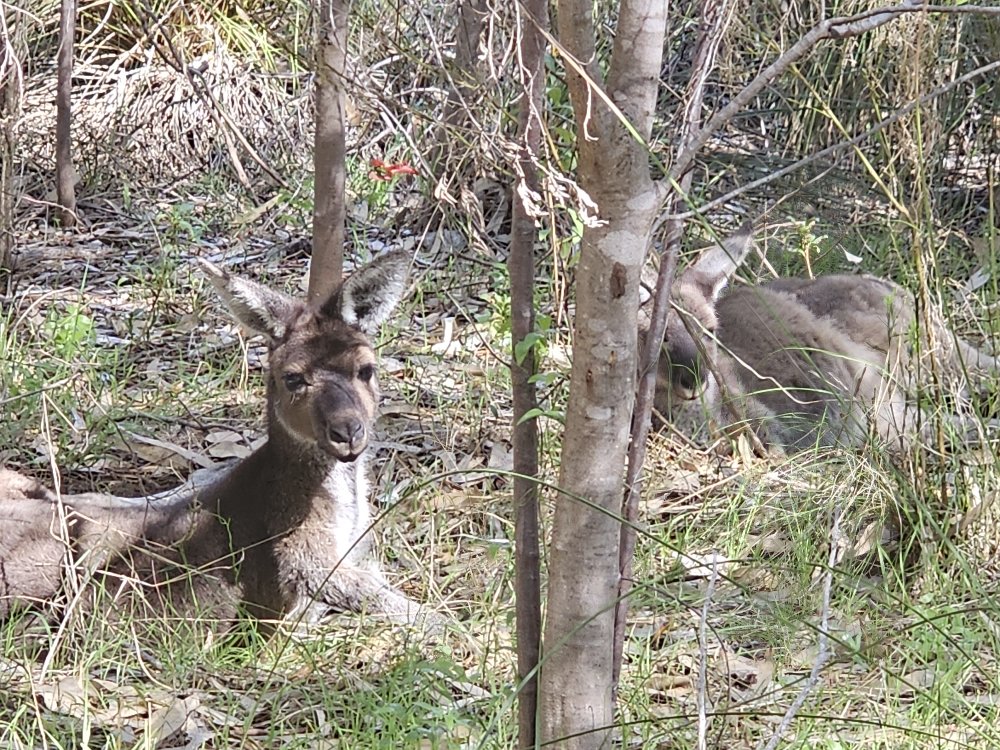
{"x":806,"y":362}
{"x":283,"y":533}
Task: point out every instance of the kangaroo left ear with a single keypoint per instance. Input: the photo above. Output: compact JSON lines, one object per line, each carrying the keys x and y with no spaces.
{"x":717,"y":264}
{"x":371,"y":293}
{"x":257,"y":307}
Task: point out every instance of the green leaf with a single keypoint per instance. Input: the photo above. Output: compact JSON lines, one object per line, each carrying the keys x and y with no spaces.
{"x":525,"y":345}
{"x":559,"y":416}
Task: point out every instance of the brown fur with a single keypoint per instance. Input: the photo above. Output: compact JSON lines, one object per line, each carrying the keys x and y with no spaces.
{"x":823,"y":362}
{"x":284,"y":532}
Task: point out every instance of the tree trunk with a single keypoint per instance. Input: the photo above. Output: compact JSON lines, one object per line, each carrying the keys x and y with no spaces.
{"x":465,"y":82}
{"x":715,"y":15}
{"x":65,"y":173}
{"x":521,"y":264}
{"x":576,"y":684}
{"x":14,"y":49}
{"x":329,"y":210}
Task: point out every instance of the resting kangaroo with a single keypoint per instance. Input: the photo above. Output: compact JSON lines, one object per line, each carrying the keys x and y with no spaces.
{"x":282,"y":533}
{"x":823,"y":362}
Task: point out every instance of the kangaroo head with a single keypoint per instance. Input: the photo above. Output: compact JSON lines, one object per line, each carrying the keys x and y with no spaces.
{"x":322,"y":387}
{"x":683,"y":373}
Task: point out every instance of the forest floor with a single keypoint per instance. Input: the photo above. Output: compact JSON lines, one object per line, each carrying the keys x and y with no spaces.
{"x":856,"y":591}
{"x":121,"y":369}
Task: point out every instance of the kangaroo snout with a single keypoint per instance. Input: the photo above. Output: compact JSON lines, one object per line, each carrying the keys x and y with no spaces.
{"x":347,"y":437}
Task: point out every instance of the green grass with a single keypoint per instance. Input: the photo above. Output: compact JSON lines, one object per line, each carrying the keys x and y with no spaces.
{"x":913,"y":643}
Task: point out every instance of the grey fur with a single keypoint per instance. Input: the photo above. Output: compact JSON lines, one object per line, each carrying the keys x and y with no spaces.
{"x":283,"y":533}
{"x":823,"y":362}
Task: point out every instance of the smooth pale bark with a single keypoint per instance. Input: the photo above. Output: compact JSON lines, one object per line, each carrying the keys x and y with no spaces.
{"x":15,"y":35}
{"x":65,"y":173}
{"x":330,"y":174}
{"x":521,"y":266}
{"x":576,"y":685}
{"x":715,"y":15}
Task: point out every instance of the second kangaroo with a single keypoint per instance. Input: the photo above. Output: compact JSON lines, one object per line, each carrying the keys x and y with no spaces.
{"x":822,"y":362}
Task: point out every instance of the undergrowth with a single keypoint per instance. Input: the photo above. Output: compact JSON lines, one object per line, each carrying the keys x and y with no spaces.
{"x":117,"y":367}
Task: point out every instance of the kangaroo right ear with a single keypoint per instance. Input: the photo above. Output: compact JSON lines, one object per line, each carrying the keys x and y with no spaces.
{"x":718,"y":263}
{"x":371,"y":293}
{"x":257,"y":307}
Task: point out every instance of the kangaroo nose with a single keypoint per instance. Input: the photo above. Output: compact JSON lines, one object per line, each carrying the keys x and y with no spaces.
{"x":349,"y":432}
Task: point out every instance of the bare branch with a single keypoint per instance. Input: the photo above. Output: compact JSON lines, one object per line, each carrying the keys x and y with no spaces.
{"x":65,"y":173}
{"x":831,"y":28}
{"x":837,"y":147}
{"x":702,"y":693}
{"x":521,"y":266}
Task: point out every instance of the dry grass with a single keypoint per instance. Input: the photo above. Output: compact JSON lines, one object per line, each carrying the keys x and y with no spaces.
{"x":108,"y":340}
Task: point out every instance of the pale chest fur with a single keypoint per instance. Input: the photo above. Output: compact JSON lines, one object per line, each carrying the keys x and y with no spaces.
{"x":333,"y":535}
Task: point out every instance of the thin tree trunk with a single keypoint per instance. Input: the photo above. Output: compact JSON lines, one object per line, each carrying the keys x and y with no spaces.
{"x":576,"y":683}
{"x":714,"y":19}
{"x":521,"y":265}
{"x":329,"y":211}
{"x":65,"y":173}
{"x":13,"y":48}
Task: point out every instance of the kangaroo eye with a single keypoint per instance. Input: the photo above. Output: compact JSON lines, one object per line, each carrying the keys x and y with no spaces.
{"x":295,"y":382}
{"x":366,"y":373}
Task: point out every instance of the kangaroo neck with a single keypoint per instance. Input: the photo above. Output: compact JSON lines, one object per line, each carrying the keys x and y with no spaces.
{"x":303,"y":464}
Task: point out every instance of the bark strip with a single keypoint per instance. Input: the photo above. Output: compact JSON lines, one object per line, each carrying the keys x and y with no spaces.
{"x":330,"y":172}
{"x":65,"y":173}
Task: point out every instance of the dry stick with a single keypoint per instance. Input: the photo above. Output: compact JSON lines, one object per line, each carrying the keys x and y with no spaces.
{"x":702,"y":693}
{"x":60,"y":530}
{"x":521,"y":266}
{"x":715,"y":17}
{"x":65,"y":173}
{"x":841,"y":27}
{"x":823,"y":641}
{"x":176,"y":61}
{"x":11,"y":90}
{"x":206,"y":94}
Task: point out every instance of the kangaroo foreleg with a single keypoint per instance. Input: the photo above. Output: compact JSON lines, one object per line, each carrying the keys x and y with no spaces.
{"x":359,"y":589}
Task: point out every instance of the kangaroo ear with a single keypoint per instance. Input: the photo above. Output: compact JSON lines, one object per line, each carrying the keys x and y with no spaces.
{"x":718,"y":263}
{"x":371,"y":293}
{"x":257,"y":307}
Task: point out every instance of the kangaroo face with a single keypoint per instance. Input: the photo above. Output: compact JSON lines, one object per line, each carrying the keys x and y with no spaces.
{"x":325,"y":391}
{"x":684,"y":379}
{"x":322,"y":388}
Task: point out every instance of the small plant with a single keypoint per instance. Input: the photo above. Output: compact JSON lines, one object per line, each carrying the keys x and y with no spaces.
{"x":70,"y":331}
{"x":374,"y":181}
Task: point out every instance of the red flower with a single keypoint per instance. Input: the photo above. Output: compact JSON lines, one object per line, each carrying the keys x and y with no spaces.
{"x":386,"y":172}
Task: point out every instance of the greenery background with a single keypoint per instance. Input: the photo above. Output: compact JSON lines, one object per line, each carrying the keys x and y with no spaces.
{"x":107,"y":340}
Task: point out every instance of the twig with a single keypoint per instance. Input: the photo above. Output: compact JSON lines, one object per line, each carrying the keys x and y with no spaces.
{"x":702,"y":694}
{"x":533,"y":17}
{"x":831,"y":28}
{"x":823,"y":642}
{"x":830,"y":150}
{"x":715,"y":17}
